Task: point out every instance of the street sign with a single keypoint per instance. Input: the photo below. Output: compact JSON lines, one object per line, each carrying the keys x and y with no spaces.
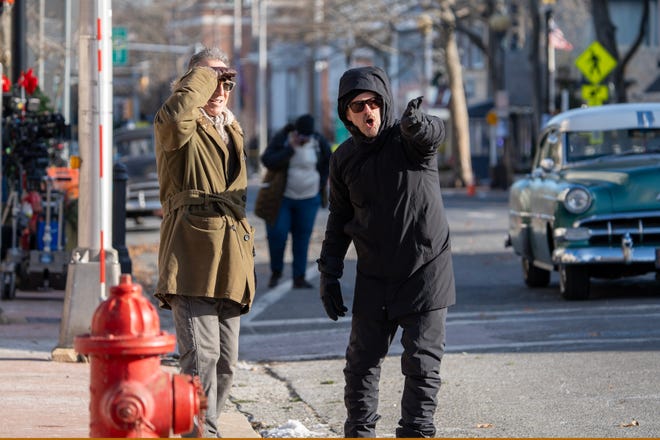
{"x":119,"y":46}
{"x":595,"y":94}
{"x":595,"y":63}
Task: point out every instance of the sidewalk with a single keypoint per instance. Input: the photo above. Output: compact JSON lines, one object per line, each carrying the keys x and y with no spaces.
{"x":43,"y":398}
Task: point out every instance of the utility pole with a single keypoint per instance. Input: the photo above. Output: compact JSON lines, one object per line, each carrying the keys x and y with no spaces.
{"x":66,"y":107}
{"x":94,"y":265}
{"x":19,"y":55}
{"x":238,"y":48}
{"x":263,"y":71}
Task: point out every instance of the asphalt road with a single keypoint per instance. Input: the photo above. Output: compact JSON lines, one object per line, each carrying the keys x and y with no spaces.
{"x":495,"y":311}
{"x":520,"y":362}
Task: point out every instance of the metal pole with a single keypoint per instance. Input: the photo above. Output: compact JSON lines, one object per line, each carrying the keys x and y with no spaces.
{"x":66,"y":110}
{"x":19,"y":57}
{"x":104,"y":50}
{"x":428,"y":68}
{"x":1,"y":181}
{"x":42,"y":17}
{"x":238,"y":48}
{"x":94,"y":265}
{"x":551,"y":67}
{"x":548,"y":17}
{"x":394,"y":65}
{"x":317,"y":65}
{"x":263,"y":64}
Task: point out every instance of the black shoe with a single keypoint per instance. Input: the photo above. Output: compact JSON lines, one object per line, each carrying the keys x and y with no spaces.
{"x":301,"y":283}
{"x":274,"y":279}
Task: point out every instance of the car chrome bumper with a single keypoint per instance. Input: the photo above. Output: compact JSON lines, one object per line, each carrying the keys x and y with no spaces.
{"x":621,"y":255}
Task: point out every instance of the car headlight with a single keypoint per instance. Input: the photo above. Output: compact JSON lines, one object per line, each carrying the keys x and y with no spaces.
{"x":577,"y":200}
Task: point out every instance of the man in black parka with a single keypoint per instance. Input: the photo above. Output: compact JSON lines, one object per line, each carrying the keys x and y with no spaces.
{"x":385,"y":198}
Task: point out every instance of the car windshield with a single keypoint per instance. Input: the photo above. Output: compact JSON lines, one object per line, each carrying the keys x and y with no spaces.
{"x":588,"y":145}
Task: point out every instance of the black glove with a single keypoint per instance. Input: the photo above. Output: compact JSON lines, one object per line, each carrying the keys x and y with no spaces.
{"x":412,"y":115}
{"x":333,"y":303}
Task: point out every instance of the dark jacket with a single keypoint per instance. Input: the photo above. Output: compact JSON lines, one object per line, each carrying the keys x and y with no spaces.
{"x":279,"y":152}
{"x":385,"y":198}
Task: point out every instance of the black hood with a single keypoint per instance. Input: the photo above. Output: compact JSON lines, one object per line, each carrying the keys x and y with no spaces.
{"x":365,"y":79}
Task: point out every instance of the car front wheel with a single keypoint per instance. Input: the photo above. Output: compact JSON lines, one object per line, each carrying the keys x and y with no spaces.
{"x":534,"y":276}
{"x":574,"y":282}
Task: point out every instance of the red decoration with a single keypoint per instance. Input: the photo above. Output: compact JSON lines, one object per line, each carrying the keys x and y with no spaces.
{"x":6,"y":84}
{"x":28,"y":81}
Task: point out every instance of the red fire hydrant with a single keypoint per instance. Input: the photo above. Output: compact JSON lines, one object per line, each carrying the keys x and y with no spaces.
{"x":130,"y":395}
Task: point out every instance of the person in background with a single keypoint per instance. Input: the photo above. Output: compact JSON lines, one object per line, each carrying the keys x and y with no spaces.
{"x":206,"y":253}
{"x":305,"y":155}
{"x":385,"y":198}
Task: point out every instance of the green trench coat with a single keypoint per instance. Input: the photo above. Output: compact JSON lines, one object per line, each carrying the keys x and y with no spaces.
{"x":207,"y":244}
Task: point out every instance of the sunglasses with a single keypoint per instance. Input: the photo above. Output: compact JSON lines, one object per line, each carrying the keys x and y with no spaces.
{"x":228,"y":86}
{"x":373,"y":103}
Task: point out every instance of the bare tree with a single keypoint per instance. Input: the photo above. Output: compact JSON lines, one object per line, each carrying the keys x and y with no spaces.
{"x":457,"y":103}
{"x":606,"y":35}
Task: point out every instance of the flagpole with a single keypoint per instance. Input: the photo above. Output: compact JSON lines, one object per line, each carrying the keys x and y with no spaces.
{"x":551,"y":76}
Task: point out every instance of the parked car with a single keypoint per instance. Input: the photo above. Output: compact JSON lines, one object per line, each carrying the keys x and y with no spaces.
{"x":135,"y":149}
{"x":591,"y":206}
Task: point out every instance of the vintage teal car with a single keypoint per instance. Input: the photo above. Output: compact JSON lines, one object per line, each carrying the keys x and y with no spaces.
{"x":590,"y":208}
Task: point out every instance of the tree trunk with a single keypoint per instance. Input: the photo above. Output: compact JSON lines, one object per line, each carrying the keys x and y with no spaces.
{"x":457,"y":104}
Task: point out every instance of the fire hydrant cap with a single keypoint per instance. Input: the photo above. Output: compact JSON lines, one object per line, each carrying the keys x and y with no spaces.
{"x":127,"y":313}
{"x":126,"y":322}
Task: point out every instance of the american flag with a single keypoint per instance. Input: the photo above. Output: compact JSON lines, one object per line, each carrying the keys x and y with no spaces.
{"x":557,"y":38}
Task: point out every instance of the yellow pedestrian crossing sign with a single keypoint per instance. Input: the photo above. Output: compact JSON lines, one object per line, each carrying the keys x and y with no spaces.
{"x":595,"y":94}
{"x":595,"y":63}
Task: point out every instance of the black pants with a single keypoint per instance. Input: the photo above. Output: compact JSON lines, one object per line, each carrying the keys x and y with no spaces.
{"x":423,"y":340}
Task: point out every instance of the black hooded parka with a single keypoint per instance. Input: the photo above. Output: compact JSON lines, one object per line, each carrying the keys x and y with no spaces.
{"x":385,"y":198}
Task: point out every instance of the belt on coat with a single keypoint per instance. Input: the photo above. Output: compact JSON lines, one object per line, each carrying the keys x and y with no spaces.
{"x":194,"y":197}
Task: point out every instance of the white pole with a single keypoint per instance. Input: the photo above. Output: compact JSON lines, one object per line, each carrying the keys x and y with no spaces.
{"x":104,"y":127}
{"x":551,"y":77}
{"x":94,"y":265}
{"x":42,"y":17}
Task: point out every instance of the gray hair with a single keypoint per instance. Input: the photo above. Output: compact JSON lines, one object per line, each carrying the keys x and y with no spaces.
{"x":208,"y":53}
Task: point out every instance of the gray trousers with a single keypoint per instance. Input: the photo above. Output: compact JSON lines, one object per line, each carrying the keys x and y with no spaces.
{"x":423,"y":340}
{"x":207,"y":331}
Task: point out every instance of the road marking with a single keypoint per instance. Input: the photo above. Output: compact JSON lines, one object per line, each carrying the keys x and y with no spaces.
{"x":468,"y":318}
{"x":331,"y":352}
{"x":271,"y":296}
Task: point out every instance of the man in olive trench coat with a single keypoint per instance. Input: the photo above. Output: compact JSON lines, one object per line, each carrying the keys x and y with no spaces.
{"x":206,"y":253}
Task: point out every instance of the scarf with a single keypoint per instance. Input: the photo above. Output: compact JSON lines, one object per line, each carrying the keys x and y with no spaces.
{"x":220,"y":122}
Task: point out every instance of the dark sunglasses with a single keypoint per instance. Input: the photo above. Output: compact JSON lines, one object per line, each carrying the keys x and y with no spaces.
{"x":228,"y":86}
{"x":373,"y":103}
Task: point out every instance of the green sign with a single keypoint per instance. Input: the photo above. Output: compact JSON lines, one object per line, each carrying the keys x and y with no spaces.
{"x":595,"y":63}
{"x":119,"y":46}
